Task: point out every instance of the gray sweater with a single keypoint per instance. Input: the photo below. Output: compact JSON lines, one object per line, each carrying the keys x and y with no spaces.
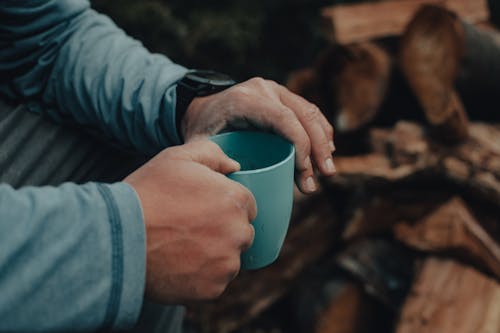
{"x":72,"y":257}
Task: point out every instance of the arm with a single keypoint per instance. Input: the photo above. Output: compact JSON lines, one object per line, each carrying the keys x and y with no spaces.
{"x":65,"y":59}
{"x":71,"y":257}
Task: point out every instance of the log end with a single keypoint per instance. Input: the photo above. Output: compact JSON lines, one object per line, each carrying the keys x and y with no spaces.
{"x":432,"y":48}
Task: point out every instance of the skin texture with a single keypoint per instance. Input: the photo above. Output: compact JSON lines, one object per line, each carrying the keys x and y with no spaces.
{"x":198,"y":220}
{"x":264,"y":104}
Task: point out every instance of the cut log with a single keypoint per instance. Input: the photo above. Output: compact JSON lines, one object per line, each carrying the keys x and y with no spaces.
{"x":345,"y":313}
{"x":313,"y":233}
{"x":377,"y":214}
{"x":388,"y":281}
{"x":354,"y":291}
{"x":448,"y":64}
{"x":431,"y":52}
{"x":348,"y":83}
{"x":451,"y":297}
{"x":329,"y":301}
{"x":451,"y":229}
{"x":366,"y":21}
{"x":405,"y":153}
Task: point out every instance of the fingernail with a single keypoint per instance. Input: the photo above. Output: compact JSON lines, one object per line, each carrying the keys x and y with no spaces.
{"x":236,"y":164}
{"x":310,"y":185}
{"x":332,"y":146}
{"x":329,"y":166}
{"x":307,"y":162}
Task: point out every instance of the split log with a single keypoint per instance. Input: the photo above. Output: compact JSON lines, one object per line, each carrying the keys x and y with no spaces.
{"x":431,"y":50}
{"x":348,"y":83}
{"x":386,"y":280}
{"x":378,"y":213}
{"x":335,"y":304}
{"x":350,"y":311}
{"x":452,"y":229}
{"x":361,"y":22}
{"x":451,"y":297}
{"x":355,"y":291}
{"x":439,"y":52}
{"x":313,"y":233}
{"x":406,"y":154}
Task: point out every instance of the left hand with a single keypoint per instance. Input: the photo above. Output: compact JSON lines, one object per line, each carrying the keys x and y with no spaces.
{"x":265,"y":104}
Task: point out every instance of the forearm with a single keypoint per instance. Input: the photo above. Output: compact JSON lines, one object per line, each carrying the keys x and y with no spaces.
{"x":74,"y":254}
{"x":70,"y":62}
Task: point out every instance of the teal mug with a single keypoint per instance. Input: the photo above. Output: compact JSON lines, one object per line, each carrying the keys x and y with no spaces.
{"x":267,"y":170}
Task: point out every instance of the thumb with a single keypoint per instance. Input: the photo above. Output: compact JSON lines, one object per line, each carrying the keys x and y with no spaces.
{"x":208,"y":153}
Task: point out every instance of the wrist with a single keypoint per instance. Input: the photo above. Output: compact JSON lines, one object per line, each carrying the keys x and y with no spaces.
{"x":196,"y":84}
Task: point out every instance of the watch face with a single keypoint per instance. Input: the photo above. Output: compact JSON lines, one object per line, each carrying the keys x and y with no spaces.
{"x":210,"y":77}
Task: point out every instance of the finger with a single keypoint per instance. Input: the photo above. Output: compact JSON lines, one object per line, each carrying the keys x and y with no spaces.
{"x":283,"y":121}
{"x":316,"y":126}
{"x":330,"y":132}
{"x":249,"y":237}
{"x":208,"y":153}
{"x":246,"y":201}
{"x":325,"y":124}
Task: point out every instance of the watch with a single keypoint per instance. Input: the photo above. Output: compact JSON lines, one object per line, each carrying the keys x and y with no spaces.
{"x":197,"y":83}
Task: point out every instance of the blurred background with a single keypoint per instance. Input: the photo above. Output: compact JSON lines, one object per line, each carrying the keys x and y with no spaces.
{"x":405,"y":237}
{"x":241,"y":38}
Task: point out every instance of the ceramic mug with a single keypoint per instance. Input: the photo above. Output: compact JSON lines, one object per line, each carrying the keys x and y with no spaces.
{"x":267,"y":170}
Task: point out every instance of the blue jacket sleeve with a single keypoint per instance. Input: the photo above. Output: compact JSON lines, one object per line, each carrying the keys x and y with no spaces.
{"x":68,"y":61}
{"x":62,"y":258}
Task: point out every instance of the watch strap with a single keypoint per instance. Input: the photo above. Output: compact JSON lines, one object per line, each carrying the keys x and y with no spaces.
{"x":186,"y":90}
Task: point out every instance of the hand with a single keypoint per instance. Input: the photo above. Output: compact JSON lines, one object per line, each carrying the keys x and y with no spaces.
{"x":197,"y":221}
{"x":265,"y":104}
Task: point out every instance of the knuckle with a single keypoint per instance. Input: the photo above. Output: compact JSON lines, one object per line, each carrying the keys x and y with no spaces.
{"x":214,"y":291}
{"x":273,"y":83}
{"x":244,"y":198}
{"x":238,"y":91}
{"x":304,"y":145}
{"x":171,"y":152}
{"x":238,"y":201}
{"x":329,"y":130}
{"x":284,"y":114}
{"x":250,"y":234}
{"x":233,"y":267}
{"x":312,"y":114}
{"x":257,"y":80}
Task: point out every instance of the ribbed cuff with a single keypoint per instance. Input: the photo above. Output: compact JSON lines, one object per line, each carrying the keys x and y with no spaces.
{"x":129,"y":255}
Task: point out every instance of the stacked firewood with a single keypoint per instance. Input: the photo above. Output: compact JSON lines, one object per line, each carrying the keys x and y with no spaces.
{"x":406,"y":236}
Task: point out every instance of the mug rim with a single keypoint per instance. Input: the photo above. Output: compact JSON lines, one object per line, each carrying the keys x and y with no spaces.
{"x":268,"y":168}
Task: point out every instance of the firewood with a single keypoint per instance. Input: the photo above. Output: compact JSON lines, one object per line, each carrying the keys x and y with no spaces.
{"x":406,"y":153}
{"x":349,"y":83}
{"x":431,"y":51}
{"x":346,"y":313}
{"x":450,"y":297}
{"x":388,"y":281}
{"x":330,"y":302}
{"x":365,"y":21}
{"x":354,"y":291}
{"x":450,"y":63}
{"x":377,"y":213}
{"x":313,"y":233}
{"x":452,"y":229}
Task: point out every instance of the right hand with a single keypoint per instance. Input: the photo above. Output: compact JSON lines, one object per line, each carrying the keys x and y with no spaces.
{"x":197,"y":221}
